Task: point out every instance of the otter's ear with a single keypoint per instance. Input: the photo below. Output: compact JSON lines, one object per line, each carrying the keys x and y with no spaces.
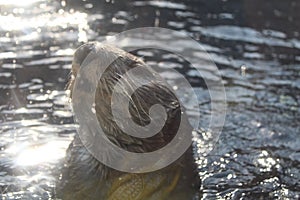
{"x":83,"y":51}
{"x":80,"y":55}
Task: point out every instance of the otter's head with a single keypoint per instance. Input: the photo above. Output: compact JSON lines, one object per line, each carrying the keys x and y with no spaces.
{"x":115,"y":64}
{"x":107,"y":56}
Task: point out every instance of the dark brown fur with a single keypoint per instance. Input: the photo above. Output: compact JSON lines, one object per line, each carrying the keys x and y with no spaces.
{"x":86,"y":178}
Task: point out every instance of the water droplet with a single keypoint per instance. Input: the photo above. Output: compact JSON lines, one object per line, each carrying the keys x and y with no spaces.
{"x":243,"y":70}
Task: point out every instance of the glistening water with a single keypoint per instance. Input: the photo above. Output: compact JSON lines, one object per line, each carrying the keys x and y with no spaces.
{"x":254,"y":43}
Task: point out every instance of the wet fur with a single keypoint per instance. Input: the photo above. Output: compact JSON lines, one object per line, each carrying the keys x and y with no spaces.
{"x":83,"y":176}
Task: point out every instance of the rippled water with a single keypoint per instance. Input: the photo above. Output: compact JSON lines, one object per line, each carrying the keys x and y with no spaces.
{"x":255,"y":45}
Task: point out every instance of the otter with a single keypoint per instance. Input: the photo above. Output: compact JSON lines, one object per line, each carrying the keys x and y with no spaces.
{"x":84,"y":177}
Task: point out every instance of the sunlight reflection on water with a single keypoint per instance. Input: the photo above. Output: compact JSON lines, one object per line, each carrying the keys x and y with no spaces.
{"x":27,"y":155}
{"x":18,"y":2}
{"x":256,"y":155}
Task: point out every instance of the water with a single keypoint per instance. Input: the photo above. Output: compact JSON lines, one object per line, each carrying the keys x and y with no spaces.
{"x":255,"y":45}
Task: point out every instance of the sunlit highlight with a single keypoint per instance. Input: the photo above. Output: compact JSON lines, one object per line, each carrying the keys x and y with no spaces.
{"x":37,"y":154}
{"x":11,"y":22}
{"x":32,"y":26}
{"x":19,"y":2}
{"x":265,"y":162}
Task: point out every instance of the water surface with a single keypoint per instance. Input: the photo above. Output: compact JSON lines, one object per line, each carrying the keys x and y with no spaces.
{"x":255,"y":45}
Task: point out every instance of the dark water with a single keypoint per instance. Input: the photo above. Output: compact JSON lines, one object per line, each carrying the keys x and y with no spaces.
{"x":255,"y":45}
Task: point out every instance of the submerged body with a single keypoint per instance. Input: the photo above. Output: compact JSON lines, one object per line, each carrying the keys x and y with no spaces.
{"x":84,"y":177}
